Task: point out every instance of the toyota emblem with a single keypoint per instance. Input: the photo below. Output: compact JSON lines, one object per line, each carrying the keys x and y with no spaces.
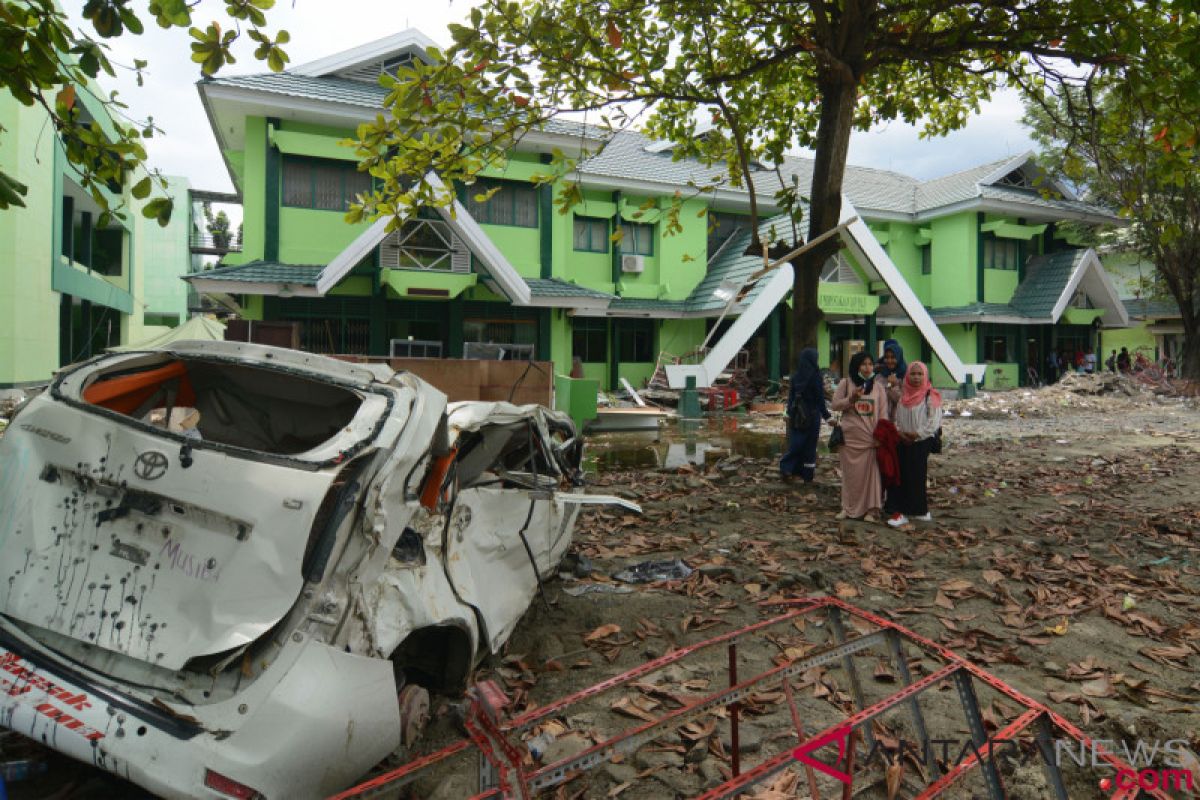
{"x":150,"y":465}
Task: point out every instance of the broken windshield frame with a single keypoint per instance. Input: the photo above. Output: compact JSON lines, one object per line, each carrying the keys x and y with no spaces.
{"x":58,"y":393}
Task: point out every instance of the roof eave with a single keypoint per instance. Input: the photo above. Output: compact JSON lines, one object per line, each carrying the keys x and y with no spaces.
{"x":272,"y":289}
{"x":1027,"y":210}
{"x":410,"y":39}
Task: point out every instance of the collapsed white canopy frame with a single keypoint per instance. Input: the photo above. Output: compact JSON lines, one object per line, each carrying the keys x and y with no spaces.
{"x":858,"y":238}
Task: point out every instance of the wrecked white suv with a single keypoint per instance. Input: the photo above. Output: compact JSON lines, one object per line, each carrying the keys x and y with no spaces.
{"x":229,"y":570}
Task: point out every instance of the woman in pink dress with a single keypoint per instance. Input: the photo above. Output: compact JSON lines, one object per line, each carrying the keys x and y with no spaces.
{"x":863,"y":402}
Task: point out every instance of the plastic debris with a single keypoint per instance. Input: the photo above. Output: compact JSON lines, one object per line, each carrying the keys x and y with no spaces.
{"x":580,"y":589}
{"x":654,"y":571}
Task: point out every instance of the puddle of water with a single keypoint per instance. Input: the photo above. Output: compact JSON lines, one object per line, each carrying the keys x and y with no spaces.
{"x":677,"y":444}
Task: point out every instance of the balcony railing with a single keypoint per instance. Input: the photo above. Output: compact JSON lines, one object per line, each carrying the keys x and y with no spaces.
{"x":215,"y":245}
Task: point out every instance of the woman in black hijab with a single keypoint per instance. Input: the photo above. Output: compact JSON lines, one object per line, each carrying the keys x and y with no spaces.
{"x":805,"y":410}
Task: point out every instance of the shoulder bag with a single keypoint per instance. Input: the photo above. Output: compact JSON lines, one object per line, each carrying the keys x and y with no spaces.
{"x":935,"y":447}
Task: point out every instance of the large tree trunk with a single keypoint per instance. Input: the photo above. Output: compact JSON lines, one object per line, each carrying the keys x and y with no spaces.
{"x":839,"y":94}
{"x":1190,"y":361}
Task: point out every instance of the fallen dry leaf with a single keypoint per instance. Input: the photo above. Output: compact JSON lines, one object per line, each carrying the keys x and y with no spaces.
{"x":603,"y":632}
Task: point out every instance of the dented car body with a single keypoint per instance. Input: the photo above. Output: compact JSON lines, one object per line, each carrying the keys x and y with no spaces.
{"x":223,"y":565}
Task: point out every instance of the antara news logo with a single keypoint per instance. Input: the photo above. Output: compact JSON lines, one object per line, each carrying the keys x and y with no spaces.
{"x":1141,"y":757}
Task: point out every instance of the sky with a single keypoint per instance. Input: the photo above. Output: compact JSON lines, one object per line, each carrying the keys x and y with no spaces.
{"x":321,"y":27}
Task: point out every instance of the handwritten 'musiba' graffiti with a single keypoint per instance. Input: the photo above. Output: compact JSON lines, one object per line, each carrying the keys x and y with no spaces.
{"x":194,"y":566}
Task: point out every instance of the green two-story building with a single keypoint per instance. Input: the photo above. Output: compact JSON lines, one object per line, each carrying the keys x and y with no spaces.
{"x":69,"y":286}
{"x":981,"y":249}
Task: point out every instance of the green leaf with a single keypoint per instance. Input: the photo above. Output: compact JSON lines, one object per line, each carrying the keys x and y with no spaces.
{"x":11,"y":191}
{"x":141,"y":189}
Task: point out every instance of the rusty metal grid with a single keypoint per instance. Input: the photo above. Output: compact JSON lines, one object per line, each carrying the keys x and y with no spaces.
{"x":503,"y":775}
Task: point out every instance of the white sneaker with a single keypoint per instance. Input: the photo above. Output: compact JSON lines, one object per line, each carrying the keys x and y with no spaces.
{"x":926,"y":517}
{"x":898,"y":520}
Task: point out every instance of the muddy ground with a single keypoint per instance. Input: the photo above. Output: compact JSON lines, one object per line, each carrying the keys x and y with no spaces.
{"x":1064,"y":557}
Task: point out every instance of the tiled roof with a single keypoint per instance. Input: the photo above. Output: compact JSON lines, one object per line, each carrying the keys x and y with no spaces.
{"x":1045,"y":279}
{"x":1151,"y":308}
{"x":556,"y":287}
{"x":638,"y":304}
{"x":954,"y":188}
{"x":263,"y":272}
{"x":977,"y":309}
{"x":356,"y":93}
{"x":626,"y":157}
{"x":732,"y":264}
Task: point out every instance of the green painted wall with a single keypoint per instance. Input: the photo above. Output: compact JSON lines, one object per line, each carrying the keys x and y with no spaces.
{"x":560,"y":341}
{"x":680,"y":336}
{"x":954,"y":281}
{"x":637,"y":374}
{"x":963,"y":341}
{"x":910,"y":340}
{"x":162,"y":256}
{"x":596,"y":372}
{"x":906,"y":255}
{"x":684,"y":255}
{"x":999,"y":285}
{"x":1001,"y":375}
{"x":521,"y":246}
{"x":254,"y":193}
{"x":1135,"y":338}
{"x":252,"y":307}
{"x":29,"y":310}
{"x":309,"y":236}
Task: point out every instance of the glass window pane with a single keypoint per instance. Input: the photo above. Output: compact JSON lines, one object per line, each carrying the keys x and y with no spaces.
{"x":356,"y":183}
{"x":583,"y":231}
{"x":525,"y":206}
{"x":327,"y":187}
{"x":297,"y":183}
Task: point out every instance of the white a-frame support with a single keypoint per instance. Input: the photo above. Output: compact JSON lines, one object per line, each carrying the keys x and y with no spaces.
{"x":874,"y":260}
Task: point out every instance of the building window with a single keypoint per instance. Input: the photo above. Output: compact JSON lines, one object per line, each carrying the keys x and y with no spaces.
{"x":637,"y":239}
{"x":591,"y":235}
{"x":321,"y":183}
{"x":721,"y":227}
{"x":161,"y":320}
{"x":999,"y":343}
{"x":499,"y":339}
{"x":1000,"y":253}
{"x":589,"y":340}
{"x":927,"y":259}
{"x":635,"y":341}
{"x":511,"y":203}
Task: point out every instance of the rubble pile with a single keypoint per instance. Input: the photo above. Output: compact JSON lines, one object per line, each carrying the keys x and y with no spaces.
{"x":1106,"y":392}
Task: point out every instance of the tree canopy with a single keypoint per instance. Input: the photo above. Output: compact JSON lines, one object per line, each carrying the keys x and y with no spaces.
{"x":1131,"y":144}
{"x":45,"y":61}
{"x":759,"y":77}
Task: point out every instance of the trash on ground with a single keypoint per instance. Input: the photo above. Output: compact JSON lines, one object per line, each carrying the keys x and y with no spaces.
{"x":654,"y":571}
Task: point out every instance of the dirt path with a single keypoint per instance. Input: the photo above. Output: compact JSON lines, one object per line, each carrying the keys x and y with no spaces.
{"x":1064,"y":558}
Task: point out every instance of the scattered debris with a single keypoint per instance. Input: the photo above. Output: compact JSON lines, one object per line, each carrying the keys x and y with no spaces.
{"x":680,"y":724}
{"x":654,"y":571}
{"x":1109,"y":392}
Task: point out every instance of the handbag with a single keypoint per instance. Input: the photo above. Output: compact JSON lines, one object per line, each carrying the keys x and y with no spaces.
{"x":935,"y":447}
{"x":836,"y":438}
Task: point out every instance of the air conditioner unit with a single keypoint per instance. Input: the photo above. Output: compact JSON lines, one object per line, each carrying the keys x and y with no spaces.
{"x":634,"y":264}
